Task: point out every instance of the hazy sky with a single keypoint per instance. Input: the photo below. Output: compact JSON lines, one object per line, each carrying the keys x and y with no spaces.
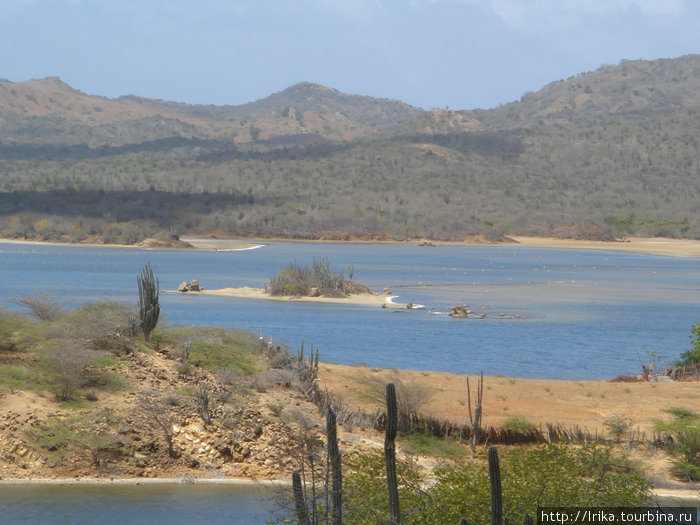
{"x":461,"y":54}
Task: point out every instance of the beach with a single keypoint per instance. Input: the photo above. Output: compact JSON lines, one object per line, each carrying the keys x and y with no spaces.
{"x":246,"y":292}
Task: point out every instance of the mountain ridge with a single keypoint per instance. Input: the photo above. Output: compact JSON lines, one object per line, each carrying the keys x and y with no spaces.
{"x":603,"y":154}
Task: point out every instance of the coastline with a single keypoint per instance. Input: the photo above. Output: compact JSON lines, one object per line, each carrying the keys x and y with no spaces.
{"x":247,"y":292}
{"x":686,"y":495}
{"x":643,"y":245}
{"x":183,"y":480}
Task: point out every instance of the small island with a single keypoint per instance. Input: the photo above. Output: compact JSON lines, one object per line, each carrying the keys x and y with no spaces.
{"x":313,"y":282}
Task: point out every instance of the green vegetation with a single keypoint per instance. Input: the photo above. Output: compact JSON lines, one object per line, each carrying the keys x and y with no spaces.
{"x":519,"y":425}
{"x":213,"y":348}
{"x":66,"y":354}
{"x":423,"y":444}
{"x":554,"y":475}
{"x":605,"y":154}
{"x":685,"y":431}
{"x":317,"y":280}
{"x":551,"y":475}
{"x":692,"y":356}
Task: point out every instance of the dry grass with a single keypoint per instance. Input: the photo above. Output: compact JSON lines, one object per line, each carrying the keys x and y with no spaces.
{"x":586,"y":404}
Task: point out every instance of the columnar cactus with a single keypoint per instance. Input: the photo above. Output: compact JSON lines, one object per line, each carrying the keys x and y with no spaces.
{"x":336,"y":470}
{"x":390,"y":454}
{"x":495,"y":476}
{"x":299,"y":499}
{"x":149,"y":307}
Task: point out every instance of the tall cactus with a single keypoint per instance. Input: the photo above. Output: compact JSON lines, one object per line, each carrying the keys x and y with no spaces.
{"x":299,"y":499}
{"x":390,"y":454}
{"x":149,"y":307}
{"x":496,"y":499}
{"x":336,"y":470}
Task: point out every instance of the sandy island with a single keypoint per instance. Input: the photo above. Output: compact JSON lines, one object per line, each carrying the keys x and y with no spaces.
{"x":383,"y":300}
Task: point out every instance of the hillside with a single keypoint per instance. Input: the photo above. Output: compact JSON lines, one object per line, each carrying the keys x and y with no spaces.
{"x":83,"y":396}
{"x":48,"y":111}
{"x":604,"y":154}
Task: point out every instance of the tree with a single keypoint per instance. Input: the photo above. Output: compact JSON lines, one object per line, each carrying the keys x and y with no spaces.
{"x":149,"y":307}
{"x":693,"y":356}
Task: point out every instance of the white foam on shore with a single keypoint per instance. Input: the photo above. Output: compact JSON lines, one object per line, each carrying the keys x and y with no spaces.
{"x":238,"y":249}
{"x":390,"y":300}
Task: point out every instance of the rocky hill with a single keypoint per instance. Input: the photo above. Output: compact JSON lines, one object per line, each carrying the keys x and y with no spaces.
{"x":604,"y":154}
{"x":48,"y":111}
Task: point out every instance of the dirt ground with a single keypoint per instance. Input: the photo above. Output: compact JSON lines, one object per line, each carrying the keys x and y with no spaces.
{"x":585,"y":404}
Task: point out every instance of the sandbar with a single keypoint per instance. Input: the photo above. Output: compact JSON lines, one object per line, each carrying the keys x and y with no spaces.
{"x":246,"y":292}
{"x":647,"y":246}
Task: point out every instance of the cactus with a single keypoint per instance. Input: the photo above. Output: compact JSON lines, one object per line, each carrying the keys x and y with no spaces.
{"x":495,"y":476}
{"x":149,"y":307}
{"x":390,"y":454}
{"x":336,"y":470}
{"x":299,"y":499}
{"x":475,"y":419}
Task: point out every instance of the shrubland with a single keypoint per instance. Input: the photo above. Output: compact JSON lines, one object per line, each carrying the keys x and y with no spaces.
{"x":602,"y":155}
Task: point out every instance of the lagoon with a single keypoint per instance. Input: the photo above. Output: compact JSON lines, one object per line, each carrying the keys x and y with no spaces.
{"x":549,"y":313}
{"x":152,"y":504}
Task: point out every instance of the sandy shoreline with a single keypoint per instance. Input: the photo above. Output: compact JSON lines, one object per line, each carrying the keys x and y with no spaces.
{"x":649,"y":246}
{"x":247,"y":292}
{"x":686,"y":495}
{"x":184,"y":480}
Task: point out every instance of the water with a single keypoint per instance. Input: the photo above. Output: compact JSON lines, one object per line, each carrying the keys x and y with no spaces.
{"x":583,"y":315}
{"x":567,"y":314}
{"x":153,"y":504}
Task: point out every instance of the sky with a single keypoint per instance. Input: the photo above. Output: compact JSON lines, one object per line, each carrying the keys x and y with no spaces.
{"x":461,"y":54}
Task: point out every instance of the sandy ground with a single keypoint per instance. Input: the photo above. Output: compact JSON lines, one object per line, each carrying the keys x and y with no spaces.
{"x":585,"y":404}
{"x":247,"y":292}
{"x":656,"y":245}
{"x":572,"y":404}
{"x":653,"y":246}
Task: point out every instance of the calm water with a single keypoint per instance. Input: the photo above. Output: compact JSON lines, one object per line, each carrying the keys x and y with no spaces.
{"x":580,"y":314}
{"x":134,"y":505}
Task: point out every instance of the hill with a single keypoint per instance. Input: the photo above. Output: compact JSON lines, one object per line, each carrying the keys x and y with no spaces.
{"x":604,"y":154}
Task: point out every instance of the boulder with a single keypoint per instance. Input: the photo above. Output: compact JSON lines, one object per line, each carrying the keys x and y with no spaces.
{"x":192,"y":286}
{"x":459,"y":311}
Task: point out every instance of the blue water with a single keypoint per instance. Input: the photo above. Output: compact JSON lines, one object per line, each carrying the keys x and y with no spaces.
{"x":166,"y":504}
{"x":550,"y":313}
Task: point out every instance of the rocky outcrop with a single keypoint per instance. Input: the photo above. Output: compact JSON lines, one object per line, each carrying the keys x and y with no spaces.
{"x":459,"y":311}
{"x":192,"y":286}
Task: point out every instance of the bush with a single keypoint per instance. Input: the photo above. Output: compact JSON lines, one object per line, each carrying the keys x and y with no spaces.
{"x":68,"y":360}
{"x":214,"y":348}
{"x":692,"y":356}
{"x":303,"y":280}
{"x":15,"y":331}
{"x":44,"y":307}
{"x":552,"y":475}
{"x":685,"y":429}
{"x":519,"y":425}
